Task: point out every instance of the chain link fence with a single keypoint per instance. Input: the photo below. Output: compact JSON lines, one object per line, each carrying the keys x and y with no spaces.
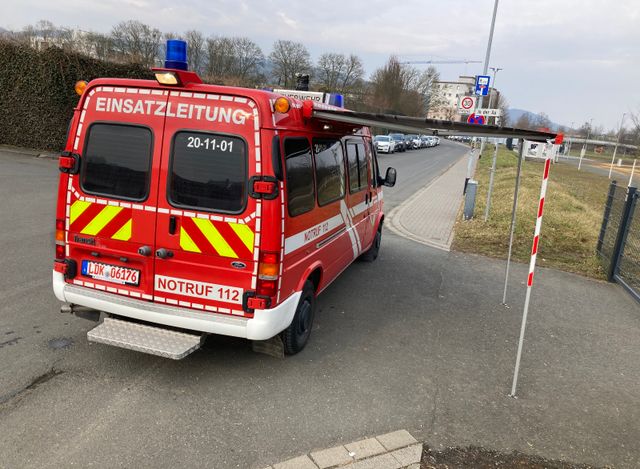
{"x":619,"y":240}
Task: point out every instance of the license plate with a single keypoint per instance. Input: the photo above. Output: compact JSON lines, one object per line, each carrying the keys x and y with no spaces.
{"x":111,"y":273}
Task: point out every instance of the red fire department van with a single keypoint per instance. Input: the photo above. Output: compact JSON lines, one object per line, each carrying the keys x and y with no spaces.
{"x":187,"y":209}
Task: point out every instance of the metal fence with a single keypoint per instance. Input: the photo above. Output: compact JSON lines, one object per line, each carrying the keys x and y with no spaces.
{"x":619,"y":240}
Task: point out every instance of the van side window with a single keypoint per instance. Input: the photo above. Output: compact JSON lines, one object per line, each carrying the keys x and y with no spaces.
{"x":357,"y":167}
{"x":208,"y":171}
{"x":375,"y":177}
{"x":116,"y":161}
{"x":299,"y":171}
{"x":330,"y":172}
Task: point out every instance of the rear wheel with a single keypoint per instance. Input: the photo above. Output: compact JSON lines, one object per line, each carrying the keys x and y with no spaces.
{"x":296,"y":336}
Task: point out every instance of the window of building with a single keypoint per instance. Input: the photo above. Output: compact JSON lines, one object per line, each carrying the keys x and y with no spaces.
{"x":116,"y":161}
{"x":208,"y":171}
{"x":330,"y":172}
{"x":299,"y":174}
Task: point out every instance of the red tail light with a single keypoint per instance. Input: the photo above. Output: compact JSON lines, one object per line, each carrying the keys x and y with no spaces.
{"x":60,"y":240}
{"x":269,"y":266}
{"x":60,"y":252}
{"x":267,"y":288}
{"x":268,"y":273}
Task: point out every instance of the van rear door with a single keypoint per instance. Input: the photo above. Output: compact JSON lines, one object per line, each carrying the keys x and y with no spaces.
{"x":207,"y":230}
{"x":111,"y":202}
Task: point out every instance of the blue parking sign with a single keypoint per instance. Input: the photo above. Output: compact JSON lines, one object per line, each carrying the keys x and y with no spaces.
{"x":482,"y":85}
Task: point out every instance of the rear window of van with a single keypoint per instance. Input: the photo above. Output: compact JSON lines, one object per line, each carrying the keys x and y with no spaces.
{"x":208,"y":171}
{"x":116,"y":161}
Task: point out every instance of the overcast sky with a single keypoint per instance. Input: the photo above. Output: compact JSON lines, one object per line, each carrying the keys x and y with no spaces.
{"x":573,"y":59}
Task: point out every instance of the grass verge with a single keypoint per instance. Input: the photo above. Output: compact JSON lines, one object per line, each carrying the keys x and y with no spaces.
{"x":572,"y":215}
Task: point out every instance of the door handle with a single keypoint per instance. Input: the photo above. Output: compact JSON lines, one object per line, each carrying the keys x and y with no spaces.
{"x":163,"y":253}
{"x":172,"y":224}
{"x":145,"y":250}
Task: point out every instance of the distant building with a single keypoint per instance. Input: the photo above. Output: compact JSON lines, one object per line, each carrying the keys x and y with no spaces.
{"x":450,"y":93}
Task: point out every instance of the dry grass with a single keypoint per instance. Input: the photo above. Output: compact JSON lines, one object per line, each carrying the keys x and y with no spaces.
{"x":572,"y":215}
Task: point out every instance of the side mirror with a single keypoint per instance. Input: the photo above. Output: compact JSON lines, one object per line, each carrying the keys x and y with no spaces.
{"x":390,"y":177}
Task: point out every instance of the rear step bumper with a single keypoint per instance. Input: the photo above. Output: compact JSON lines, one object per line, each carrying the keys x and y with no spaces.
{"x":265,"y":323}
{"x":147,"y":339}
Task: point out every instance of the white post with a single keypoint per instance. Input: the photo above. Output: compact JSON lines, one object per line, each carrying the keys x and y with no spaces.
{"x":615,"y":149}
{"x":491,"y":175}
{"x":513,"y":219}
{"x":532,"y":267}
{"x":633,"y":168}
{"x":584,"y":145}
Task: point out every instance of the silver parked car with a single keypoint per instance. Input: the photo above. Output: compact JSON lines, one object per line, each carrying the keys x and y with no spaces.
{"x":384,"y":144}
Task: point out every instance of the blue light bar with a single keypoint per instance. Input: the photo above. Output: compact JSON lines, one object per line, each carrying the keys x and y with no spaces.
{"x":176,"y":57}
{"x":336,"y":99}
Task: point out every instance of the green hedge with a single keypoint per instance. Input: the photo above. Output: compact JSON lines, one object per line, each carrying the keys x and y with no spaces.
{"x":37,"y":95}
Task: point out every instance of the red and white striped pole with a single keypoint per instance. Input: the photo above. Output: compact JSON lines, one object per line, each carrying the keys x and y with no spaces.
{"x":532,"y":267}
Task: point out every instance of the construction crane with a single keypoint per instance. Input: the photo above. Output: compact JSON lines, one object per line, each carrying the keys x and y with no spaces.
{"x":422,"y":62}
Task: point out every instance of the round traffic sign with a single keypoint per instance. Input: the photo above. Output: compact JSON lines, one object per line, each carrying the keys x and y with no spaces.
{"x":473,"y":119}
{"x":467,"y":103}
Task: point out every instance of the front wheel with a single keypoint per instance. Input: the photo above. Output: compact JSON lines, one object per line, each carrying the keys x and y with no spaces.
{"x":296,"y":336}
{"x":372,"y":253}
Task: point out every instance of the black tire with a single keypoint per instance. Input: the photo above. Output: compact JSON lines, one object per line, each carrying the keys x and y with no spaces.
{"x":372,"y":253}
{"x":296,"y":336}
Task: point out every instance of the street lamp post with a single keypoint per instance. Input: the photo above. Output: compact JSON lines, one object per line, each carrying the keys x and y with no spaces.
{"x":495,"y":152}
{"x":615,"y":149}
{"x":568,"y":152}
{"x":584,"y":145}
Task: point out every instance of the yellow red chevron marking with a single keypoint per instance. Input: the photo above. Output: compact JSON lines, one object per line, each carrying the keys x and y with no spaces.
{"x":187,"y":243}
{"x":215,"y":238}
{"x":107,"y":221}
{"x":124,"y":233}
{"x":100,"y":221}
{"x":77,"y":208}
{"x":244,"y":233}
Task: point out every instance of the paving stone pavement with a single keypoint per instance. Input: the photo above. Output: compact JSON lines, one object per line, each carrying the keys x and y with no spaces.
{"x":395,"y":450}
{"x":429,"y":215}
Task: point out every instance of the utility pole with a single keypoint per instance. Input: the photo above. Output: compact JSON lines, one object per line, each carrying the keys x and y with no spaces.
{"x":495,"y":152}
{"x":584,"y":145}
{"x":486,"y":60}
{"x":615,"y":149}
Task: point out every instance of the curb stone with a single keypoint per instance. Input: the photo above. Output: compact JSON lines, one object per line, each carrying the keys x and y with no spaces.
{"x":395,"y":450}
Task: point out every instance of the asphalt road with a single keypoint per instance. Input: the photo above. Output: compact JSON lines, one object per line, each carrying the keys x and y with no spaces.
{"x":65,"y":402}
{"x":416,"y":340}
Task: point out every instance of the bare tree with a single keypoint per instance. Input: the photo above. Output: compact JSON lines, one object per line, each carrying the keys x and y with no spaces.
{"x":523,"y":122}
{"x":399,"y":88}
{"x":329,"y":70}
{"x":196,"y":50}
{"x":427,"y":86}
{"x":136,"y":42}
{"x":234,"y":61}
{"x":98,"y":45}
{"x":339,"y":73}
{"x":219,"y":58}
{"x":287,"y":59}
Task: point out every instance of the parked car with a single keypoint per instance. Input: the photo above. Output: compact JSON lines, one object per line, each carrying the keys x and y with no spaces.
{"x":414,"y":141}
{"x":384,"y":144}
{"x":400,"y":143}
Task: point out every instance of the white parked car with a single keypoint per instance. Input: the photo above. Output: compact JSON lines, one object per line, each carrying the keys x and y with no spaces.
{"x":384,"y":144}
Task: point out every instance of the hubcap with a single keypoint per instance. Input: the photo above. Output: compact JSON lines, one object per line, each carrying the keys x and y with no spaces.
{"x":305,"y":317}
